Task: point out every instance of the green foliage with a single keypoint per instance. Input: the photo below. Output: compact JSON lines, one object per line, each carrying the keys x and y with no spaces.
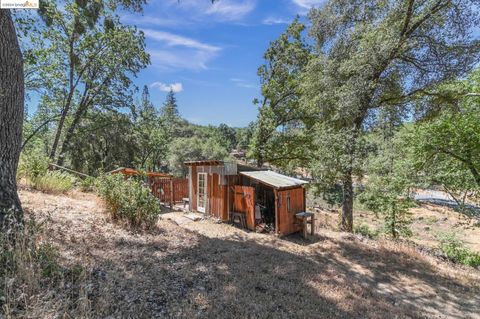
{"x":333,"y":195}
{"x":105,"y":141}
{"x":277,"y":137}
{"x":54,"y":182}
{"x":244,"y":136}
{"x":320,"y":104}
{"x":455,"y":249}
{"x":150,"y":139}
{"x":129,"y":200}
{"x":33,"y":167}
{"x":169,"y":111}
{"x":388,"y":182}
{"x":193,"y":148}
{"x":385,"y":201}
{"x":87,"y":184}
{"x":32,"y":164}
{"x":82,"y":57}
{"x":445,"y":150}
{"x":227,"y":136}
{"x":365,"y":230}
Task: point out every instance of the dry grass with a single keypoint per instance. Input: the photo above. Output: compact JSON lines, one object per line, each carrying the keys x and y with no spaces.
{"x":428,"y":221}
{"x":210,"y":270}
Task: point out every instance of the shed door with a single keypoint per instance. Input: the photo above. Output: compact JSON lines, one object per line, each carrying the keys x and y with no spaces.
{"x":290,"y":202}
{"x":202,"y":192}
{"x":244,"y":202}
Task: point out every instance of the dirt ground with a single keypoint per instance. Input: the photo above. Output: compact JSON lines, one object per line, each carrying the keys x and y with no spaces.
{"x":204,"y":269}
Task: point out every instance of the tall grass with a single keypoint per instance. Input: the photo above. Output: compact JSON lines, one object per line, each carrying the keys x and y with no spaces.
{"x":129,"y":200}
{"x":32,"y":281}
{"x":33,"y":168}
{"x":54,"y":182}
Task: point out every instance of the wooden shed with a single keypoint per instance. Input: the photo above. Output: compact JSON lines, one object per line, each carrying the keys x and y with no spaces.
{"x":265,"y":199}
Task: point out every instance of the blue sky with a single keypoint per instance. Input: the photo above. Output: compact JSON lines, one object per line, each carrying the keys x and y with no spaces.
{"x":209,"y":54}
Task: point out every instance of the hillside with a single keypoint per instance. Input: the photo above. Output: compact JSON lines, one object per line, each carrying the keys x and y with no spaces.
{"x":204,"y":269}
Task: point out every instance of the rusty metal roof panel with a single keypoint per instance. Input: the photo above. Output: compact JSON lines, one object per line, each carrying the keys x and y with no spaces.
{"x":274,"y":179}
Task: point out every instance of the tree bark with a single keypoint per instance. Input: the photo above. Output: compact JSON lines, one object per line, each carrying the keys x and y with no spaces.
{"x":66,"y":107}
{"x":348,"y":194}
{"x":82,"y":109}
{"x":347,"y":203}
{"x":11,"y":120}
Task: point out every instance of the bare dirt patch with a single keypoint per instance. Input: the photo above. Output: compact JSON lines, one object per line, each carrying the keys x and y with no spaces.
{"x":209,"y":270}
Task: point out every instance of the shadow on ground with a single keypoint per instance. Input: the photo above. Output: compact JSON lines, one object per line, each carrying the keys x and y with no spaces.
{"x":242,"y":278}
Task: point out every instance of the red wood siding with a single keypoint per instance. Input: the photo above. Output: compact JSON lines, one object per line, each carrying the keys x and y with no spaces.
{"x":194,"y":188}
{"x":218,"y":198}
{"x":179,"y":185}
{"x":288,"y":223}
{"x":244,"y":202}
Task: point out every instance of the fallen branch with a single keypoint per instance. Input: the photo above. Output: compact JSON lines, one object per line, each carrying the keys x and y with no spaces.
{"x":68,"y":170}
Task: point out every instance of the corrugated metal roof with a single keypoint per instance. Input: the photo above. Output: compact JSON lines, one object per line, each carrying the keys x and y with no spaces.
{"x":274,"y":179}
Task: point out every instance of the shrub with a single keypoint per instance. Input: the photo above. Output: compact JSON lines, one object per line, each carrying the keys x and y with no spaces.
{"x":364,"y":230}
{"x":129,"y":200}
{"x":32,"y":164}
{"x":33,"y":167}
{"x":456,"y":251}
{"x":53,"y":182}
{"x":87,"y":184}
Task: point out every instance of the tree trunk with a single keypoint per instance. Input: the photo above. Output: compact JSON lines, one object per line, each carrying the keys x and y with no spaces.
{"x":347,"y":203}
{"x":69,"y":135}
{"x":66,"y":107}
{"x":61,"y":123}
{"x":11,"y":120}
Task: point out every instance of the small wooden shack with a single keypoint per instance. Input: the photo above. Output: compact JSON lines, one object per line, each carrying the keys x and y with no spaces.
{"x":265,"y":199}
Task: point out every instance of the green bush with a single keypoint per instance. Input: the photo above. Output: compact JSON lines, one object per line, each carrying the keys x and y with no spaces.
{"x":364,"y":230}
{"x":33,"y":167}
{"x":53,"y":182}
{"x":87,"y":184}
{"x":455,"y":250}
{"x":129,"y":200}
{"x":32,"y":164}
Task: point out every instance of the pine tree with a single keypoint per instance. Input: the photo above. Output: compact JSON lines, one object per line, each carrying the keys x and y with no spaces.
{"x":146,"y":106}
{"x":169,"y":111}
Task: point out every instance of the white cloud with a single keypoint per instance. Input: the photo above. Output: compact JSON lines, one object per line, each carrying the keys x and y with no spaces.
{"x":230,"y":10}
{"x":243,"y":84}
{"x":181,"y":59}
{"x":275,"y":20}
{"x":149,"y":20}
{"x":175,"y":87}
{"x":171,"y":39}
{"x":176,"y":51}
{"x":307,"y":4}
{"x":222,"y":10}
